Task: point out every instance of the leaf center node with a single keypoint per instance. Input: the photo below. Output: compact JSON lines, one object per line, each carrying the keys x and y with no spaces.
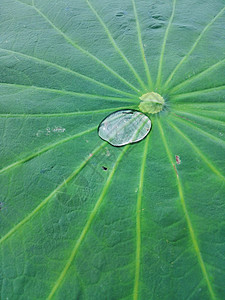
{"x":151,"y":103}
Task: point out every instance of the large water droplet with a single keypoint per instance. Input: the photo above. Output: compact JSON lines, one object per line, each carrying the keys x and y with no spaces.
{"x":124,"y":127}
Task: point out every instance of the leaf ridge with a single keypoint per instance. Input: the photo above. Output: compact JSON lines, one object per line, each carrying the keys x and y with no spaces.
{"x":113,"y":42}
{"x":64,"y":92}
{"x":51,"y":146}
{"x":193,"y":47}
{"x":187,"y":217}
{"x":81,"y":49}
{"x":198,"y":105}
{"x":196,"y":76}
{"x":86,"y":226}
{"x":188,"y":113}
{"x":199,"y":130}
{"x":158,"y":81}
{"x":197,"y":150}
{"x":138,"y":222}
{"x":44,"y":115}
{"x":68,"y":70}
{"x":199,"y":92}
{"x":141,"y":47}
{"x":53,"y":193}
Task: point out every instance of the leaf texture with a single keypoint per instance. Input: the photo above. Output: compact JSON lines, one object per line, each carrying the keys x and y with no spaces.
{"x":79,"y":218}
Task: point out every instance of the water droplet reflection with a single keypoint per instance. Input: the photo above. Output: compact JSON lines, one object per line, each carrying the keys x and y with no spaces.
{"x":124,"y":127}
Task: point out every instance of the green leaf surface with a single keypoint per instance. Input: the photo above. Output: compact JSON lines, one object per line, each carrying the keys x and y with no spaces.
{"x":79,"y":218}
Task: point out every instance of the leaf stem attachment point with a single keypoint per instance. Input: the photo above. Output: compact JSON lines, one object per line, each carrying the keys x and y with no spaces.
{"x":151,"y":103}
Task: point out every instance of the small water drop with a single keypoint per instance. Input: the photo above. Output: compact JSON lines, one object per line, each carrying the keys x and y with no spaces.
{"x":124,"y":127}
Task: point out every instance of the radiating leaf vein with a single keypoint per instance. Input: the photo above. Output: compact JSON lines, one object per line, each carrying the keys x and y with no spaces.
{"x":147,"y":71}
{"x":199,"y":117}
{"x":39,"y":60}
{"x":65,"y":92}
{"x":198,"y":92}
{"x":138,"y":222}
{"x":116,"y":46}
{"x":193,"y":47}
{"x":187,"y":217}
{"x":193,"y":126}
{"x":86,"y":226}
{"x":68,"y":114}
{"x":159,"y":75}
{"x":197,"y":150}
{"x":196,"y":76}
{"x":80,"y":48}
{"x":53,"y":193}
{"x":51,"y":146}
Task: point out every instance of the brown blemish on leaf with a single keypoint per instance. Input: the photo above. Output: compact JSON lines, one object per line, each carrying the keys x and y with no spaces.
{"x":178,"y":160}
{"x":184,"y":118}
{"x":175,"y":170}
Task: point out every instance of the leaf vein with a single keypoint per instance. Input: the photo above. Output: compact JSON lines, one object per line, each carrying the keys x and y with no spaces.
{"x":84,"y":51}
{"x":141,"y":47}
{"x":208,"y":135}
{"x":45,"y":149}
{"x":193,"y":47}
{"x":86,"y":227}
{"x":187,"y":217}
{"x":65,"y":92}
{"x":196,"y":76}
{"x":196,"y":93}
{"x":113,"y":42}
{"x":67,"y":70}
{"x":53,"y":193}
{"x":158,"y":81}
{"x":46,"y":115}
{"x":197,"y":150}
{"x":138,"y":222}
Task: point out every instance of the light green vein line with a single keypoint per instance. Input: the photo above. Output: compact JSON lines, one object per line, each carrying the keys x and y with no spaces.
{"x":196,"y":149}
{"x":47,"y":199}
{"x":65,"y":114}
{"x":197,"y":116}
{"x":203,"y":111}
{"x":196,"y":76}
{"x":199,"y":105}
{"x":188,"y":220}
{"x":138,"y":222}
{"x":106,"y":86}
{"x":83,"y":50}
{"x":51,"y":146}
{"x":80,"y":48}
{"x":158,"y":81}
{"x":141,"y":47}
{"x":208,"y":135}
{"x":196,"y":93}
{"x":193,"y":47}
{"x":116,"y":46}
{"x":86,"y":226}
{"x":194,"y":290}
{"x":64,"y":92}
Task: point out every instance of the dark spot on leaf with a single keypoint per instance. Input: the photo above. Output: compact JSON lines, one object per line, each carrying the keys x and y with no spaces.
{"x":158,"y":17}
{"x":120,"y":14}
{"x":46,"y":170}
{"x":156,"y":25}
{"x":104,"y":168}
